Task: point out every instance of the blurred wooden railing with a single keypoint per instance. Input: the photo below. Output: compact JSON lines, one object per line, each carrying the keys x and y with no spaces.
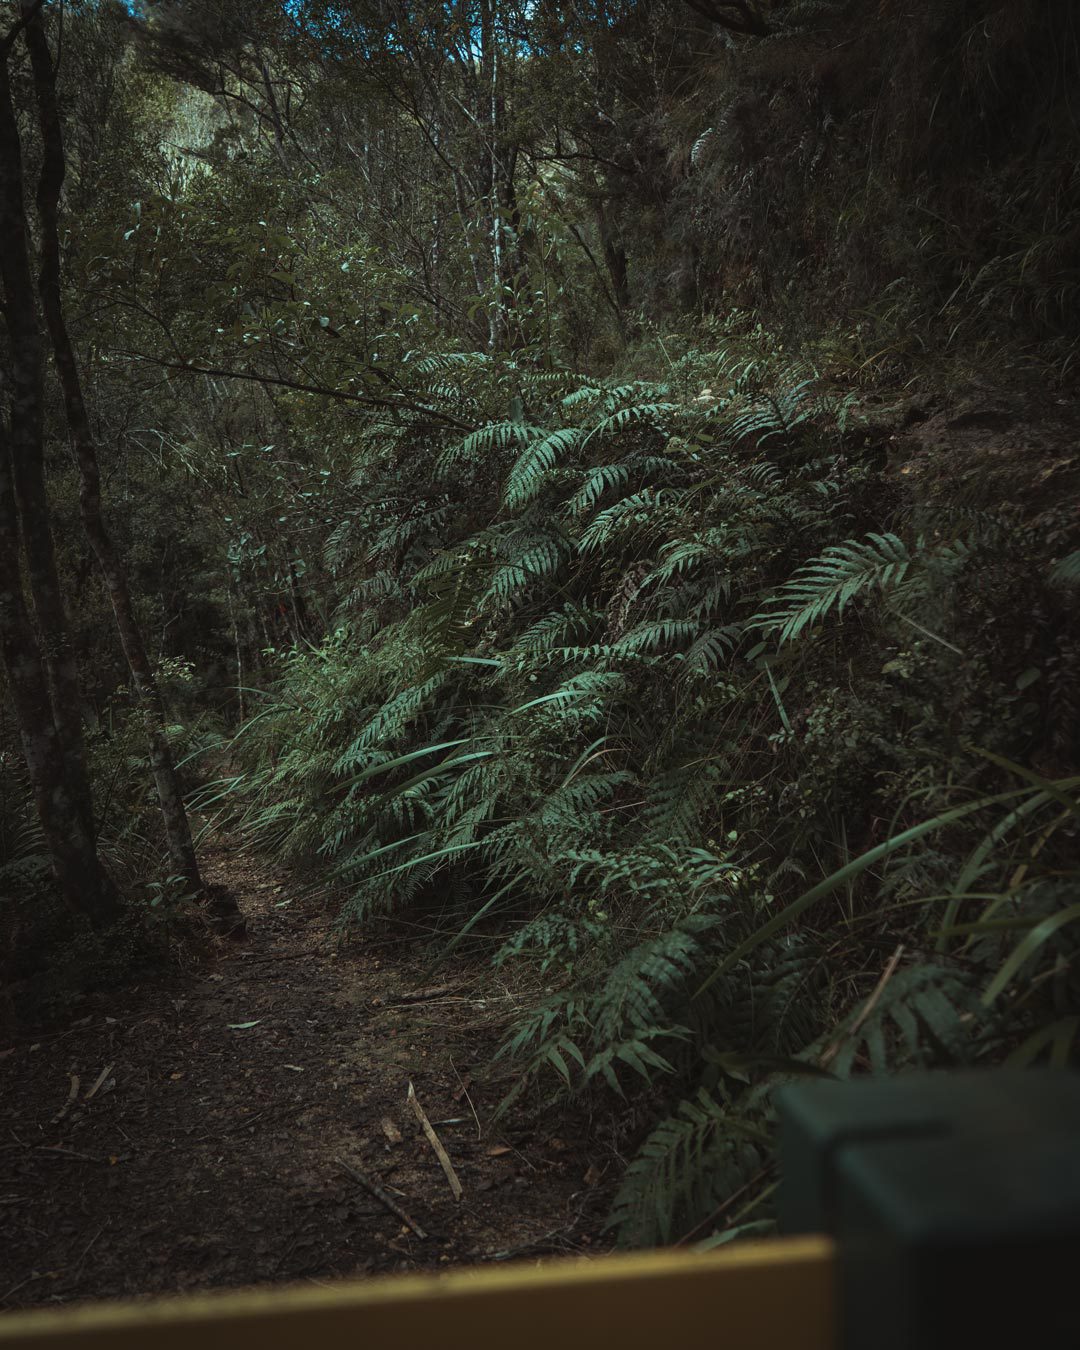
{"x":774,"y":1295}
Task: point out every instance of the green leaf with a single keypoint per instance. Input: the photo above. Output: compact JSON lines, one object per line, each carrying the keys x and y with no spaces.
{"x":1059,"y":1036}
{"x":1040,"y":934}
{"x":850,"y":871}
{"x":386,"y":765}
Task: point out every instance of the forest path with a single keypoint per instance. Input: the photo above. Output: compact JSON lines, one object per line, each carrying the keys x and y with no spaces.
{"x":209,"y":1153}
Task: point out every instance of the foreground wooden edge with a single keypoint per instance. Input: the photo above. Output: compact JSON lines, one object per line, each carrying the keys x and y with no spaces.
{"x":763,"y":1296}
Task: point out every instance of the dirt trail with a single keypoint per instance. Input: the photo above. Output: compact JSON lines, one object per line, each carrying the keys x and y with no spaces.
{"x":208,"y":1155}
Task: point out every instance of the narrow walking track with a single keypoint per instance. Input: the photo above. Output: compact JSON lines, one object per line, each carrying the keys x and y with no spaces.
{"x":189,"y":1131}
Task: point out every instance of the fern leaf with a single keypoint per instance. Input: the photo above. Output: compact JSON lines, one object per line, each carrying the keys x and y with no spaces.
{"x":686,"y":1168}
{"x":831,"y":581}
{"x":535,"y":463}
{"x":1066,"y":573}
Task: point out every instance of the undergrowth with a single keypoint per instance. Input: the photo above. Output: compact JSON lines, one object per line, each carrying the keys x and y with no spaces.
{"x":628,"y":671}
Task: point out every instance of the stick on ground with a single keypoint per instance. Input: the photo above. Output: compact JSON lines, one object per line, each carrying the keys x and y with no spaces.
{"x":424,"y":995}
{"x":72,"y":1094}
{"x":436,"y":1144}
{"x":381,"y":1195}
{"x":98,"y":1081}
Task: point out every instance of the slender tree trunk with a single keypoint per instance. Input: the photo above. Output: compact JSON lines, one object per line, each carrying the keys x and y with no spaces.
{"x":616,"y":262}
{"x":489,"y":112}
{"x":41,"y":673}
{"x":302,"y":624}
{"x":239,"y":650}
{"x":177,"y":827}
{"x":27,"y":455}
{"x":73,"y":852}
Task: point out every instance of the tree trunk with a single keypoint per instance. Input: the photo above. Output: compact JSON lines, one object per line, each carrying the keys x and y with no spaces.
{"x":41,"y":674}
{"x":53,"y":168}
{"x":26,"y":448}
{"x":82,"y":881}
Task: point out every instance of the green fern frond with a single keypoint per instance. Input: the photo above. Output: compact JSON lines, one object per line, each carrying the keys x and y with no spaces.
{"x":678,"y":799}
{"x":535,"y":463}
{"x":495,"y":436}
{"x":640,"y":512}
{"x":650,"y":638}
{"x":711,"y":650}
{"x":618,"y":421}
{"x":603,"y":478}
{"x":831,"y":581}
{"x":551,"y":939}
{"x":554,"y":630}
{"x":687,"y":1167}
{"x":588,"y":393}
{"x":437,"y":362}
{"x":779,"y":413}
{"x":533,"y":557}
{"x":1066,"y":573}
{"x":928,"y":1015}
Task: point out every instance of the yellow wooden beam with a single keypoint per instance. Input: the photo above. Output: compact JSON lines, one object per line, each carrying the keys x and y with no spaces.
{"x":763,"y":1296}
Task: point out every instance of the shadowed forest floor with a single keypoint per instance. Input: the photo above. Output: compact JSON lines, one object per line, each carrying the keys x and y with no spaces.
{"x":228,"y":1094}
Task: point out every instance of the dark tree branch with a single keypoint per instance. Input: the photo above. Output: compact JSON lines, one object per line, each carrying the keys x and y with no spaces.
{"x":400,"y":404}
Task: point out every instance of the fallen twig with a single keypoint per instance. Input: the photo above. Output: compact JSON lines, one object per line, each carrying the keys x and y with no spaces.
{"x":721,"y":1210}
{"x":867,"y":1008}
{"x":72,"y":1094}
{"x":276,"y":1113}
{"x":423,"y":995}
{"x":64,"y":1152}
{"x":546,"y":1242}
{"x":381,"y":1195}
{"x":22,"y":1284}
{"x":98,"y":1081}
{"x":436,"y":1144}
{"x":86,"y":1249}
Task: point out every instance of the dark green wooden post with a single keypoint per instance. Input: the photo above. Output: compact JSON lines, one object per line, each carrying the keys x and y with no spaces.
{"x":954,"y":1201}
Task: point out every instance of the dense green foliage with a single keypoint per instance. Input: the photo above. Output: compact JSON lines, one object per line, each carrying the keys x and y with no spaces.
{"x":562,"y":527}
{"x":608,"y":689}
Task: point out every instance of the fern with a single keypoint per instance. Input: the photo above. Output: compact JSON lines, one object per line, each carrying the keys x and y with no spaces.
{"x":437,"y":362}
{"x":618,"y":421}
{"x":493,"y":437}
{"x":553,"y":630}
{"x":551,"y":939}
{"x":588,"y":393}
{"x":842,"y":573}
{"x":1066,"y":573}
{"x":542,"y":704}
{"x":650,"y":638}
{"x":779,"y":413}
{"x":688,"y":1166}
{"x":638,"y":513}
{"x":530,"y":555}
{"x":606,"y":477}
{"x":535,"y":463}
{"x":927,"y":1016}
{"x":711,"y":649}
{"x":679,"y":798}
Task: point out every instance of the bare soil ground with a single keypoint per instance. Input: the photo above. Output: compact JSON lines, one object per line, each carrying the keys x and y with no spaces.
{"x":189,"y":1131}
